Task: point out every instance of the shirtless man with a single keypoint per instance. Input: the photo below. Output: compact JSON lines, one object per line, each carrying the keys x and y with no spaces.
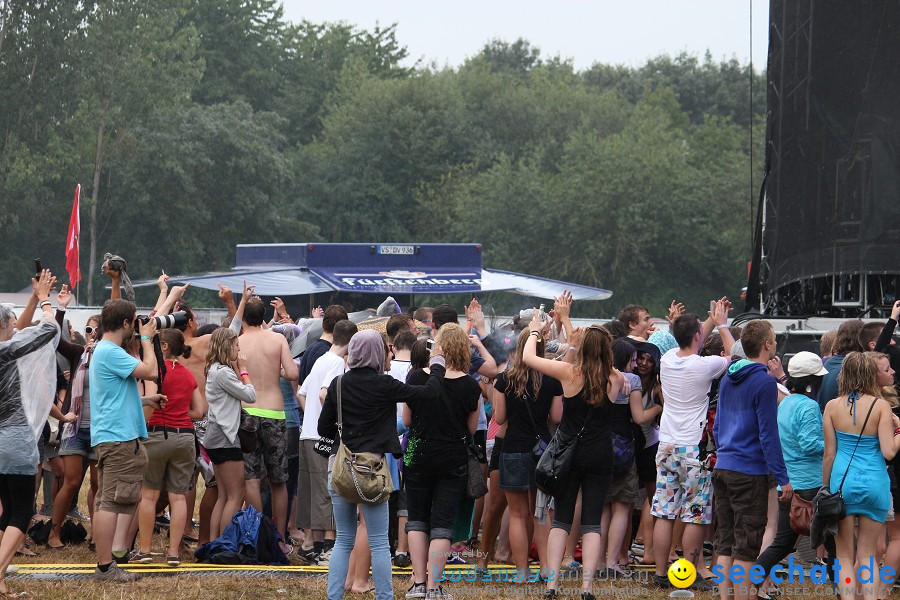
{"x":268,"y":359}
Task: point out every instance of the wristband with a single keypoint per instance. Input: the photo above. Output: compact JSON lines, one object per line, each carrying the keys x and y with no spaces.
{"x":897,"y":431}
{"x":245,"y":374}
{"x":45,"y":303}
{"x":535,"y":333}
{"x":146,"y":337}
{"x":723,"y":326}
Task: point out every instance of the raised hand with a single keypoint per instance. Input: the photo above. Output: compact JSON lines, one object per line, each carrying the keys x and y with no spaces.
{"x":776,"y":369}
{"x":280,"y":312}
{"x":179,"y":290}
{"x":43,"y":284}
{"x":318,"y":313}
{"x":225,"y":294}
{"x":161,"y":282}
{"x":895,"y":311}
{"x":676,"y":309}
{"x":64,"y":297}
{"x":562,"y":305}
{"x":248,"y":292}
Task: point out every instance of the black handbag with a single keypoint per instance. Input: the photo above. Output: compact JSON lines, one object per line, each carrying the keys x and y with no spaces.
{"x":476,"y":486}
{"x":828,"y":506}
{"x":556,"y":461}
{"x":324,"y":446}
{"x":248,"y":432}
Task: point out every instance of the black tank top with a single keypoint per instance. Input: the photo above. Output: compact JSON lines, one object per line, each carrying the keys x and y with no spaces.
{"x":597,"y":433}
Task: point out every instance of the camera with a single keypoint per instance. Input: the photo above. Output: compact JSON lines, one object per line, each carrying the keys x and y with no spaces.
{"x":429,"y":345}
{"x":176,"y":319}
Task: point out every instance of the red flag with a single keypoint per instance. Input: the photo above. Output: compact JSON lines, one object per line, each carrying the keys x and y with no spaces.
{"x":72,"y":265}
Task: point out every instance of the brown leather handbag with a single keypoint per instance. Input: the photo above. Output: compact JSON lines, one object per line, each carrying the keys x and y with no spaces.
{"x":801,"y":514}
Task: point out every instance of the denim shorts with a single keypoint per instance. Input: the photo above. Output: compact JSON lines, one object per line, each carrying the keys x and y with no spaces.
{"x":78,"y":445}
{"x":517,"y":471}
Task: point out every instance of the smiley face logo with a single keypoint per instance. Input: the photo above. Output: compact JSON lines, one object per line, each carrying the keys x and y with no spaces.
{"x":682,"y":573}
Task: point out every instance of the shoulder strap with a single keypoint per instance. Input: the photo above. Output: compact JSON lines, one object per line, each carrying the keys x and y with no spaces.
{"x":340,"y":416}
{"x":871,"y":406}
{"x":530,"y":416}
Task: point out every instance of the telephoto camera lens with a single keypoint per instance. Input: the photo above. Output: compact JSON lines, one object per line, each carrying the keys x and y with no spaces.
{"x":176,"y":319}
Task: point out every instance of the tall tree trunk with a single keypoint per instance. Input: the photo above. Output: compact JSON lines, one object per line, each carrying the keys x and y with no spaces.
{"x":4,"y":22}
{"x":98,"y":163}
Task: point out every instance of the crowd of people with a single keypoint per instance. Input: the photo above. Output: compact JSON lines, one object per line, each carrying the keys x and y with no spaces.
{"x":693,"y":441}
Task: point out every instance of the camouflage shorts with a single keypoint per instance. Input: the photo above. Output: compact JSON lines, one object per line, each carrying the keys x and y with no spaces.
{"x":269,"y":460}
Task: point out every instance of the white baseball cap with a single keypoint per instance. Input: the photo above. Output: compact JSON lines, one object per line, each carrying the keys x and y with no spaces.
{"x":804,"y":364}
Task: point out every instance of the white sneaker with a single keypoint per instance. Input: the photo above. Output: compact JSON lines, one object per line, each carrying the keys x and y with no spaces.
{"x":416,"y":590}
{"x":324,"y":557}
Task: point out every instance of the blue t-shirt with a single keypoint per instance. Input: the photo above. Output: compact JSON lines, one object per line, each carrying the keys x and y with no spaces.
{"x":116,"y":414}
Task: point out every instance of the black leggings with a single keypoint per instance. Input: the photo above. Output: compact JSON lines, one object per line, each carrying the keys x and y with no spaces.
{"x":17,"y":498}
{"x":786,"y":539}
{"x":593,"y":481}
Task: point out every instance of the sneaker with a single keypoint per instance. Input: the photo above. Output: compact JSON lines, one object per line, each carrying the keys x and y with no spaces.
{"x":76,"y":515}
{"x":173,"y":560}
{"x":661,"y":582}
{"x":416,"y":590}
{"x":162,"y":521}
{"x":307,"y":554}
{"x":116,"y":574}
{"x":587,"y":596}
{"x":324,"y":558}
{"x":402,"y":560}
{"x":456,"y":559}
{"x":143,"y":558}
{"x":438,"y":594}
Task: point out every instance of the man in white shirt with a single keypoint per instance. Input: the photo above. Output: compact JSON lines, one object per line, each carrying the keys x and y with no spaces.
{"x":314,"y":514}
{"x":684,"y":484}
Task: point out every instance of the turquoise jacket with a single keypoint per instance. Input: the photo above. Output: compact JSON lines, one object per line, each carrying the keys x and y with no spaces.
{"x":802,"y":440}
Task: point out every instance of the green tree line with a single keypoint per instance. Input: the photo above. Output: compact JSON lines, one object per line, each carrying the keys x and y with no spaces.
{"x":197,"y":125}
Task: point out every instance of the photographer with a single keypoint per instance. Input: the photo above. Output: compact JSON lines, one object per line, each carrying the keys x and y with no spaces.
{"x":117,"y":428}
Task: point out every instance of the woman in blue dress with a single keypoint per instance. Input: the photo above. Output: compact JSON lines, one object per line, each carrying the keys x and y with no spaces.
{"x":859,"y":416}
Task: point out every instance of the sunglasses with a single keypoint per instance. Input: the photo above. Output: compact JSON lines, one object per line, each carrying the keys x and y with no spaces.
{"x":89,"y":330}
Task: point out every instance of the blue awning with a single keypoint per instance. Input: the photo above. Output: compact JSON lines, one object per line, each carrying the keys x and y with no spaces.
{"x":268,"y":281}
{"x":294,"y":282}
{"x":539,"y":287}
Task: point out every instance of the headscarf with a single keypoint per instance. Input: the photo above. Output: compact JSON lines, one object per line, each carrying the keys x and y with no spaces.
{"x":366,"y":351}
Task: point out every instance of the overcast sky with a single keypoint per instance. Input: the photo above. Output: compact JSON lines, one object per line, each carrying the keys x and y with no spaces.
{"x":622,"y":32}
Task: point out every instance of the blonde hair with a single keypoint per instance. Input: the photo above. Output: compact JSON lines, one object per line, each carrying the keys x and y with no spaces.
{"x":858,"y":374}
{"x":517,"y":374}
{"x":219,"y":351}
{"x":454,"y":344}
{"x":888,"y":392}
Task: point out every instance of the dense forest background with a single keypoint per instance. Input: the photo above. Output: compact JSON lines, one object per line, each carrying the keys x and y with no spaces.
{"x":197,"y":125}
